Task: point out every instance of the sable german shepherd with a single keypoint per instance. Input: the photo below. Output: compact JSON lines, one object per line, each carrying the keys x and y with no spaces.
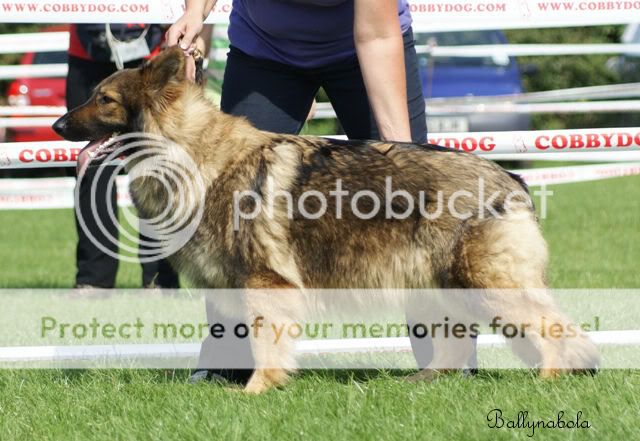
{"x":337,"y":250}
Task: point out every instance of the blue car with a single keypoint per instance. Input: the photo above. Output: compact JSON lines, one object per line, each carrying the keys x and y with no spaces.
{"x":470,"y":76}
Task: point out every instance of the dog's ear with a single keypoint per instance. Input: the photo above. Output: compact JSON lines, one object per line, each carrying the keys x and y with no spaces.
{"x":167,"y":67}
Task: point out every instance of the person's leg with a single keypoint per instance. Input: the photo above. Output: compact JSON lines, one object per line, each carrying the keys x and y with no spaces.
{"x":94,"y":266}
{"x":415,"y":95}
{"x":157,"y":273}
{"x":275,"y":98}
{"x":345,"y":87}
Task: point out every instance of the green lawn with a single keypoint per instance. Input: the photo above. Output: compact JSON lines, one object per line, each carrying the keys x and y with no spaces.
{"x":593,"y":230}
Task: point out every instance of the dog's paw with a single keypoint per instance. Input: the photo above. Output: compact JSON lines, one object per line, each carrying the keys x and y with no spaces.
{"x":425,"y":375}
{"x":256,"y":387}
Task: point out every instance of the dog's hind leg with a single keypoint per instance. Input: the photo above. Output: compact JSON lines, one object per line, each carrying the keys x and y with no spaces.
{"x":436,"y":349}
{"x":506,"y":258}
{"x":272,"y":307}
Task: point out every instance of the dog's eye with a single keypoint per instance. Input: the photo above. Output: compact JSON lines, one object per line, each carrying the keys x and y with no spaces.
{"x":104,"y":99}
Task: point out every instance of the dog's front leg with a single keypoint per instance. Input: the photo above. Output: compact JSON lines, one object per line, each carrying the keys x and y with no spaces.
{"x":273,"y":305}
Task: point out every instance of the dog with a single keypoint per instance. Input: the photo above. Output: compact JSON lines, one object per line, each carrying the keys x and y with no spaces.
{"x":282,"y":250}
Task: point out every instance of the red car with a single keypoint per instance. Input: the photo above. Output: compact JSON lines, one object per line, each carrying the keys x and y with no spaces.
{"x":38,"y":92}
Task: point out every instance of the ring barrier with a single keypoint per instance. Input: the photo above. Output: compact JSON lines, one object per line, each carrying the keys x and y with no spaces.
{"x":432,"y":15}
{"x":33,"y":71}
{"x":325,"y":110}
{"x":547,"y":142}
{"x":567,"y":157}
{"x":59,"y":41}
{"x":527,"y":50}
{"x":50,"y":154}
{"x":32,"y":110}
{"x":57,"y":193}
{"x":26,"y":122}
{"x":50,"y":193}
{"x":34,"y":42}
{"x":609,"y":91}
{"x":540,"y":108}
{"x":612,"y":91}
{"x":27,"y":354}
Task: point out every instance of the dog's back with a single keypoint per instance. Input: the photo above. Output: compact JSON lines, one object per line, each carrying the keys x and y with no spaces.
{"x":398,"y":223}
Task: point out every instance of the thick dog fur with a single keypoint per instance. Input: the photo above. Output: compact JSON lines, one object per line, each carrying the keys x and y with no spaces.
{"x":278,"y":252}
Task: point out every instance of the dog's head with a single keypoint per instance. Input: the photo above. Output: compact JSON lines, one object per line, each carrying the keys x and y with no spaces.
{"x":117,"y":104}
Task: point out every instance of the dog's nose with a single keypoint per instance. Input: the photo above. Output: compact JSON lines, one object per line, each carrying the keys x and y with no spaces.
{"x":60,"y":126}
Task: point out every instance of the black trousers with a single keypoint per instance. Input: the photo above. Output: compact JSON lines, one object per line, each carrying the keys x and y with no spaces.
{"x":277,"y":98}
{"x":95,"y":267}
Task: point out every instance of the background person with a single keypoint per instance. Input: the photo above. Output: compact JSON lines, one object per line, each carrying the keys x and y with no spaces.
{"x":90,"y":61}
{"x":361,"y":52}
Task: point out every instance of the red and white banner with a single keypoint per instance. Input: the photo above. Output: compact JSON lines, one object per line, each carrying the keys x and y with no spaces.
{"x":42,"y":193}
{"x":432,"y":15}
{"x":32,"y":194}
{"x":49,"y":193}
{"x":580,"y":173}
{"x":542,"y":141}
{"x":39,"y":154}
{"x":585,"y":141}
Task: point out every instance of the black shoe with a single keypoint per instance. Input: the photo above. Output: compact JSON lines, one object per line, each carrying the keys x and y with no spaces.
{"x":204,"y":375}
{"x":86,"y":291}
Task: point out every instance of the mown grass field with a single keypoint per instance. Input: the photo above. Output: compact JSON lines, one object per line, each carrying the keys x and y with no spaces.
{"x":594,"y":234}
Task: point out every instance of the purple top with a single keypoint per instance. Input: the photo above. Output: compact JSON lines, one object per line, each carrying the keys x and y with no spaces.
{"x":299,"y":33}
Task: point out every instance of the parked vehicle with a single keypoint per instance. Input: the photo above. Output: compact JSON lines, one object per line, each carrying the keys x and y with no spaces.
{"x":37,"y":92}
{"x":444,"y":77}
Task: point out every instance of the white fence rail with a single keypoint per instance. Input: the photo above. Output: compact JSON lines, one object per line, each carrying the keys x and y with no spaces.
{"x":104,"y":353}
{"x":528,"y":50}
{"x":34,"y":42}
{"x":33,"y":71}
{"x":325,"y":111}
{"x":59,"y":41}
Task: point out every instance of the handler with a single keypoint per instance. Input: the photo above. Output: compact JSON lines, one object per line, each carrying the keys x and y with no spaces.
{"x":361,"y":52}
{"x":90,"y":62}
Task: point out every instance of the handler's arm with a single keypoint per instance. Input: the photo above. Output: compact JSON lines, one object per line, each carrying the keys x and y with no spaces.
{"x":189,"y":26}
{"x":378,"y":41}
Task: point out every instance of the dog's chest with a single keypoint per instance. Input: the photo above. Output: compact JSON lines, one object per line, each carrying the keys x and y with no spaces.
{"x":201,"y":261}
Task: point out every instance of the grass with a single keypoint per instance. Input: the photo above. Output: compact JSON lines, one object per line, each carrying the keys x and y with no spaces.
{"x":134,"y":405}
{"x":592,"y":229}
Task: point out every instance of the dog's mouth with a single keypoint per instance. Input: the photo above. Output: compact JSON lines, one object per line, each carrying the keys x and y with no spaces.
{"x":94,"y":153}
{"x":99,"y":149}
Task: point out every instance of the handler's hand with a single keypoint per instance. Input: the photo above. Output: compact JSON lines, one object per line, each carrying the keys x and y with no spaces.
{"x":185,"y":31}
